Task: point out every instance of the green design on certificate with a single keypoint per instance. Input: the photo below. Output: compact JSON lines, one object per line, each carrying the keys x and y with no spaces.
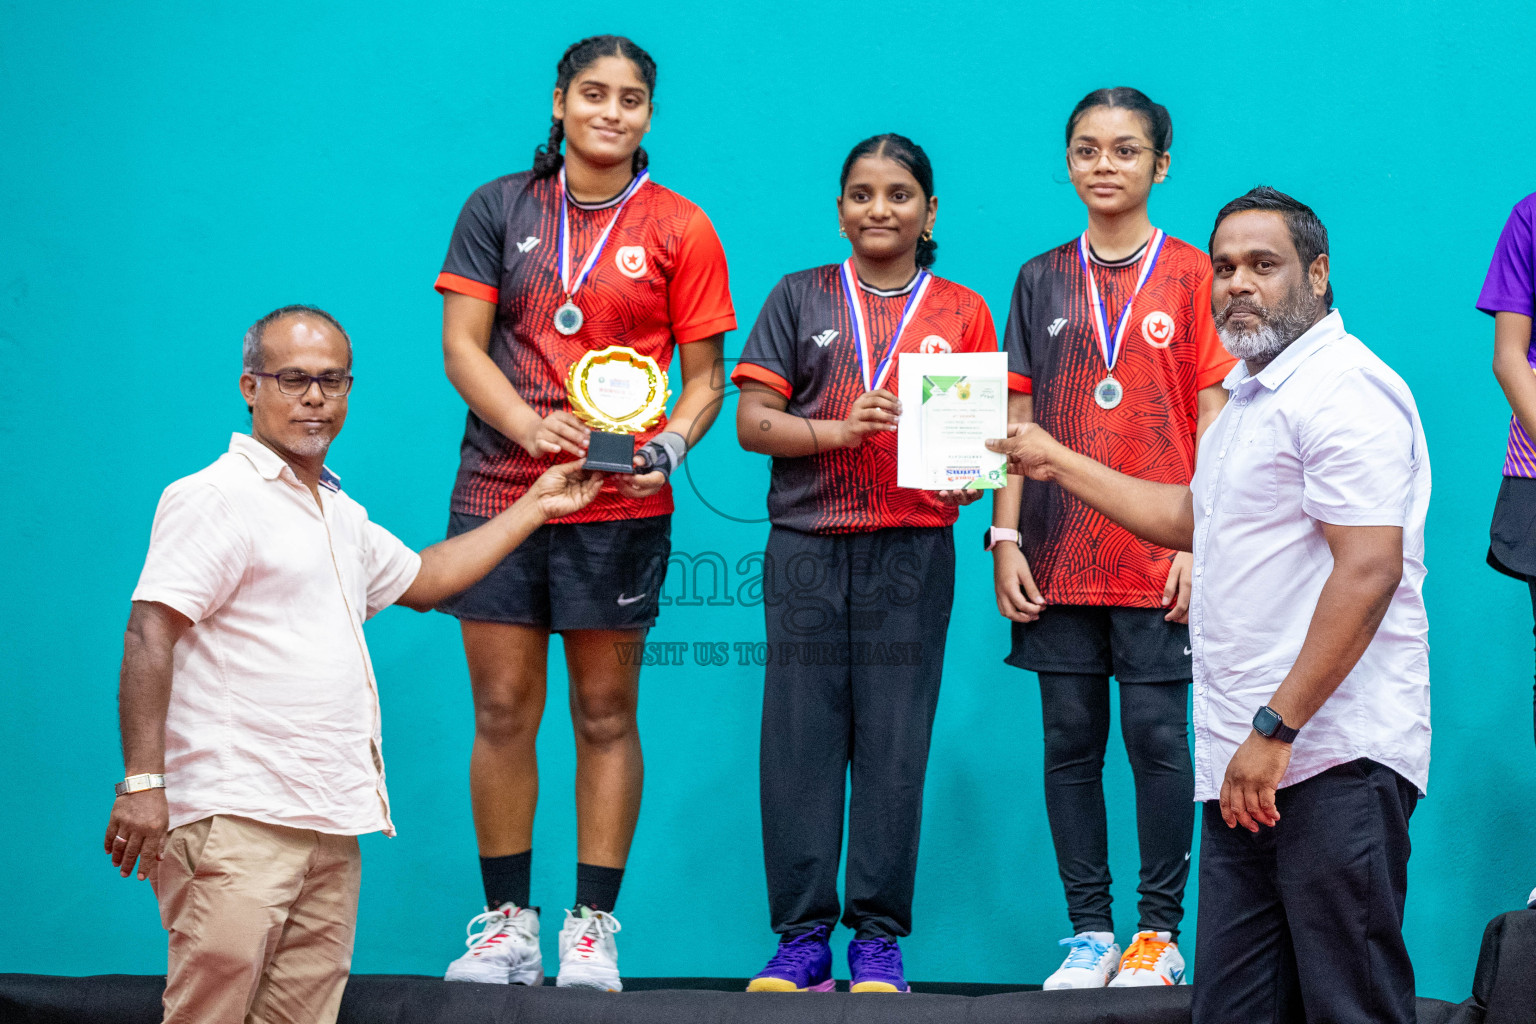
{"x":956,"y":413}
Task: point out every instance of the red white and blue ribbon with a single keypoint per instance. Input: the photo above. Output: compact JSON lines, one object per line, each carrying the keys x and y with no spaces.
{"x":565,"y":233}
{"x":853,"y":292}
{"x":1109,"y":341}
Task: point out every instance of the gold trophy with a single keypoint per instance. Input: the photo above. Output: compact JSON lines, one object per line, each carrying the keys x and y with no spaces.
{"x":617,"y":392}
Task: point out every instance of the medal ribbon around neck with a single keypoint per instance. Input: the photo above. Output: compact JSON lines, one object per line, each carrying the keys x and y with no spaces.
{"x":852,"y":291}
{"x":597,"y":250}
{"x":1109,"y":342}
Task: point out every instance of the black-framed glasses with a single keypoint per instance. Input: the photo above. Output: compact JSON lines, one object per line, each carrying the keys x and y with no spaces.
{"x":296,"y":383}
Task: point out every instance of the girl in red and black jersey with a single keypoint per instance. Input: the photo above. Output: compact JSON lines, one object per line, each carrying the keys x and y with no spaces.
{"x":582,"y":252}
{"x":858,"y":574}
{"x":1111,"y":347}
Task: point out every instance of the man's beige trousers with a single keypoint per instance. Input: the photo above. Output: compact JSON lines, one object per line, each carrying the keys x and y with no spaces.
{"x":261,"y":920}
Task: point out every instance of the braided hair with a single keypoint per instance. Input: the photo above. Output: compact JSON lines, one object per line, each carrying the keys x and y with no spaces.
{"x":909,"y":155}
{"x":576,"y":59}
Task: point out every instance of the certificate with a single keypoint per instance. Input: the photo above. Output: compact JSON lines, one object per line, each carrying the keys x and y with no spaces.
{"x":951,"y":403}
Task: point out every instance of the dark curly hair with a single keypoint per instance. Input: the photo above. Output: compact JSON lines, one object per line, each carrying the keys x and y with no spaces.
{"x":576,"y":59}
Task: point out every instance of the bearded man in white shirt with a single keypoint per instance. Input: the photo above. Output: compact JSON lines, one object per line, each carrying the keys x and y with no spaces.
{"x":247,"y":703}
{"x":1307,"y":623}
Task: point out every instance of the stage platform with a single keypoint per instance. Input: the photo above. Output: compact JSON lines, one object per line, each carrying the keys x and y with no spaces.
{"x":1503,"y":992}
{"x":409,"y":999}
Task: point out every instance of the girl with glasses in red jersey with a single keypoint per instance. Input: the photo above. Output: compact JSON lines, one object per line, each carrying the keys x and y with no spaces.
{"x":583,"y":252}
{"x":858,"y":574}
{"x":1112,"y":349}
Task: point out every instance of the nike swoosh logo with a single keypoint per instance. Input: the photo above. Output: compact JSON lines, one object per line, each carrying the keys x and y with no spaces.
{"x":629,"y":600}
{"x":1188,"y":651}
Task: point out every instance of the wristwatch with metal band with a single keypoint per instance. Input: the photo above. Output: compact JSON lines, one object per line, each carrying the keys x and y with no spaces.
{"x":995,"y":535}
{"x":139,"y":783}
{"x":1268,"y":723}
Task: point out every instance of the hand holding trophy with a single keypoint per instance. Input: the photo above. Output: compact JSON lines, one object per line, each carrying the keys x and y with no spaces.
{"x":617,"y":392}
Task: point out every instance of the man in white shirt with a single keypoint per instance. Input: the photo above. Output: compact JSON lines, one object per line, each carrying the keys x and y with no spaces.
{"x":247,"y":702}
{"x":1307,"y":623}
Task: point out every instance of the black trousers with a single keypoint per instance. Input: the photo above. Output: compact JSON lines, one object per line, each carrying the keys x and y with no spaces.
{"x":1303,"y":922}
{"x":856,"y":628}
{"x":1154,"y":725}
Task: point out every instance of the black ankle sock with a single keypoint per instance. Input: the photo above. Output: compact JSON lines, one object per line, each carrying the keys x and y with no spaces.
{"x":506,"y":879}
{"x":598,"y":887}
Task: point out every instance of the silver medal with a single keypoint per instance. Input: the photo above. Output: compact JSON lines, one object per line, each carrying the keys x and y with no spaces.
{"x":1108,"y":393}
{"x":568,"y":318}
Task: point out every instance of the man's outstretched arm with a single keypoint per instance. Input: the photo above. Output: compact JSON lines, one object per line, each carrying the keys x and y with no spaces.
{"x":457,"y":563}
{"x":1161,"y":513}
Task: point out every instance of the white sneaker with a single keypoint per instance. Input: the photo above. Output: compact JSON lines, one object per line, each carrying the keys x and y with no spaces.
{"x":588,"y":956}
{"x":504,"y":951}
{"x":1152,"y":959}
{"x":1092,"y":961}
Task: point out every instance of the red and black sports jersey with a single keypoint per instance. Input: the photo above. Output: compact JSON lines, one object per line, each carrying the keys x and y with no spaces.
{"x":802,"y":347}
{"x":1169,"y":353}
{"x":661,"y":279}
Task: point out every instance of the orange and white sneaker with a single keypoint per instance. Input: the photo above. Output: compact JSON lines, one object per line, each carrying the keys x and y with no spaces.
{"x":1152,"y":958}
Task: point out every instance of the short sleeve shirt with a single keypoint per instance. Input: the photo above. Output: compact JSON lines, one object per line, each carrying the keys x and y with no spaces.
{"x":1169,"y":353}
{"x":1510,"y":287}
{"x":274,"y":711}
{"x":659,"y":281}
{"x":802,"y":347}
{"x":1326,"y":433}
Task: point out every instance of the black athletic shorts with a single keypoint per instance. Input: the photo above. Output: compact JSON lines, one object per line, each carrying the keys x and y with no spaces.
{"x":572,"y":576}
{"x":1135,"y":645}
{"x":1512,"y":535}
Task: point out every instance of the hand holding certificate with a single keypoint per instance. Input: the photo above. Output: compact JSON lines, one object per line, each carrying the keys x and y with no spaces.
{"x":951,"y":403}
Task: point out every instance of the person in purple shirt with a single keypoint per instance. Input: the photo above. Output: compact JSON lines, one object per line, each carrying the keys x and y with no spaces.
{"x":1509,"y":295}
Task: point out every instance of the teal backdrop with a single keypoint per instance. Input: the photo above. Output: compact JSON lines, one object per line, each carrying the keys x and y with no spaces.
{"x":172,"y":171}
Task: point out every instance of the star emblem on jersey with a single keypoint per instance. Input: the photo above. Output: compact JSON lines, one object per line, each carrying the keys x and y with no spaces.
{"x":1056,"y":326}
{"x":824,"y":339}
{"x":527,"y":244}
{"x":934,"y":343}
{"x":1157,"y":328}
{"x":630,"y":259}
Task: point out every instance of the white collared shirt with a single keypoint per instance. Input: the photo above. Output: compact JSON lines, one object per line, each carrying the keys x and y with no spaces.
{"x":1326,"y":433}
{"x":274,"y":711}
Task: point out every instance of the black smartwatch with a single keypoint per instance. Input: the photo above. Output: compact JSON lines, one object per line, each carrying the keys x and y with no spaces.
{"x":1268,"y":723}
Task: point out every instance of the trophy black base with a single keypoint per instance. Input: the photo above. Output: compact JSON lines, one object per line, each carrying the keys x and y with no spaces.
{"x":610,"y":453}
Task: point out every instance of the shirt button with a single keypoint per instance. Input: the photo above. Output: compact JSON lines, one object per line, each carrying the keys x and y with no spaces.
{"x":1222,"y":454}
{"x":1197,"y":631}
{"x":1207,"y":510}
{"x":1198,"y":570}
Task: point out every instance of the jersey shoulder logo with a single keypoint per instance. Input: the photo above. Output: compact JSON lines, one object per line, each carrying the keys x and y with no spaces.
{"x":824,"y":339}
{"x":630,"y":259}
{"x":1056,"y":326}
{"x":527,"y":244}
{"x":1157,"y":329}
{"x":934,"y":343}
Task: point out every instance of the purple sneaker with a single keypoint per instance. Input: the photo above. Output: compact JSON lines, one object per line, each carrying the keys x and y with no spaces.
{"x":876,"y":966}
{"x":802,"y":964}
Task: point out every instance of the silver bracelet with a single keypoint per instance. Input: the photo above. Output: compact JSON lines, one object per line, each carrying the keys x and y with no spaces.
{"x":139,"y":783}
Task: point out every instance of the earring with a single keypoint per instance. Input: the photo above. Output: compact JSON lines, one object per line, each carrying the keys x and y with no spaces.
{"x":842,"y":232}
{"x":928,"y":235}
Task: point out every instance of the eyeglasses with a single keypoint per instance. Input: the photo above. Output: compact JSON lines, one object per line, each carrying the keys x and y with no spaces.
{"x":296,"y":383}
{"x":1124,"y":155}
